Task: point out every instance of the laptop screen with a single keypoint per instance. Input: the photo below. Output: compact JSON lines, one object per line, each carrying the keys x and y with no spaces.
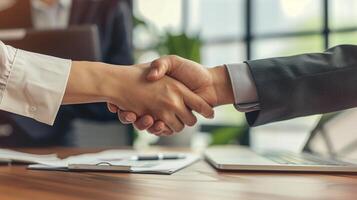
{"x":335,"y":135}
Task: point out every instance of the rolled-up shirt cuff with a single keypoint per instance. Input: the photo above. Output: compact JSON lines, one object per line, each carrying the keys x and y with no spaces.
{"x":244,"y":90}
{"x":35,"y":86}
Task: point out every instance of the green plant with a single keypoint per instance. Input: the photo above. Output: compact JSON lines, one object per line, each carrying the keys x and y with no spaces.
{"x":182,"y":45}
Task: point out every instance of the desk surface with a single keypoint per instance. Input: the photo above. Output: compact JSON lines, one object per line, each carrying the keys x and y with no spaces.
{"x":199,"y":181}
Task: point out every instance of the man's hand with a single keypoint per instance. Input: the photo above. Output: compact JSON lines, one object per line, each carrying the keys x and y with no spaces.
{"x":213,"y":85}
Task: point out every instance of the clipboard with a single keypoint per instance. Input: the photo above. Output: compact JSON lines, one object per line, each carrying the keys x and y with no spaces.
{"x":102,"y":166}
{"x":144,"y":167}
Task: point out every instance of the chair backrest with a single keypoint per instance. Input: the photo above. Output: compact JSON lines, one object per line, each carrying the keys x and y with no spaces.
{"x":76,"y":42}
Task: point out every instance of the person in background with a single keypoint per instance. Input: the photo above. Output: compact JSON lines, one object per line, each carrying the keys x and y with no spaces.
{"x":113,"y":22}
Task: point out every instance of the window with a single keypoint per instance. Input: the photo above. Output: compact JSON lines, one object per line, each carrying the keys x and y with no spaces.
{"x":237,"y":30}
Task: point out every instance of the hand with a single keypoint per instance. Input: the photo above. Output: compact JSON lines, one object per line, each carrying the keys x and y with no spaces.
{"x":166,"y":100}
{"x":213,"y":85}
{"x":126,"y":88}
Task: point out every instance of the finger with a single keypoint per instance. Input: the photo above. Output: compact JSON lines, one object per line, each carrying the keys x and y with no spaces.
{"x":175,"y":124}
{"x":159,"y":68}
{"x":186,"y":116}
{"x":158,"y":133}
{"x":166,"y":129}
{"x":127,"y":117}
{"x":159,"y":127}
{"x":144,"y":122}
{"x":167,"y":132}
{"x":196,"y":103}
{"x":112,"y":108}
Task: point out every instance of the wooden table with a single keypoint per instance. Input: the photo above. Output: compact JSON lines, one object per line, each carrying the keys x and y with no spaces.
{"x":199,"y":181}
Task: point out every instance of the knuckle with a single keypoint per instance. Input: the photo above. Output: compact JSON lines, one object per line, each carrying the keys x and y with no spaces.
{"x":173,"y":57}
{"x":156,"y":63}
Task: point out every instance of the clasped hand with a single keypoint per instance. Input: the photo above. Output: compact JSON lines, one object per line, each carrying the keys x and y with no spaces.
{"x":164,"y":93}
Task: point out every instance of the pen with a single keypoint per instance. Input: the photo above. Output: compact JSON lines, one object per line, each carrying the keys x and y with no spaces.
{"x":158,"y":157}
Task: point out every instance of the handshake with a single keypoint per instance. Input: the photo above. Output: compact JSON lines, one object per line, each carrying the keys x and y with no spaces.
{"x":160,"y":96}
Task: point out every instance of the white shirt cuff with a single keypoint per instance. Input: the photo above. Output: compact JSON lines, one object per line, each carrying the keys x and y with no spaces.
{"x":35,"y":86}
{"x":244,"y":90}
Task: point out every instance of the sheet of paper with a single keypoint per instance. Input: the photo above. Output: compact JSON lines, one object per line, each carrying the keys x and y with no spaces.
{"x":16,"y":156}
{"x":120,"y":158}
{"x":165,"y":166}
{"x":90,"y":158}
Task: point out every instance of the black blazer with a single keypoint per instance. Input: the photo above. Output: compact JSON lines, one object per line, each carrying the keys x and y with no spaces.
{"x":304,"y":84}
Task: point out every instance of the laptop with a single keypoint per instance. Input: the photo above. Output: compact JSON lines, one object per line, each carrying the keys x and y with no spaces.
{"x":330,"y":147}
{"x":75,"y":42}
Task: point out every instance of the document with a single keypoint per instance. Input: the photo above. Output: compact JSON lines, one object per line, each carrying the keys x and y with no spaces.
{"x":109,"y":160}
{"x":8,"y":156}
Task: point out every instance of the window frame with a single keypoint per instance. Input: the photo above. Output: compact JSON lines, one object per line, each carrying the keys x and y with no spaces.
{"x":249,"y":36}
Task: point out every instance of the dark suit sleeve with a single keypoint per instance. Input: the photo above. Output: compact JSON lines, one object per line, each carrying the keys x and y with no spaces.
{"x":305,"y":84}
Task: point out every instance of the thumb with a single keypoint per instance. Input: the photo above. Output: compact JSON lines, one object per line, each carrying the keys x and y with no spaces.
{"x":158,"y":68}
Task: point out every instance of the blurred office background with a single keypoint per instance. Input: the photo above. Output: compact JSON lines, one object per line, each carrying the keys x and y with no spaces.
{"x":232,"y":31}
{"x":216,"y":32}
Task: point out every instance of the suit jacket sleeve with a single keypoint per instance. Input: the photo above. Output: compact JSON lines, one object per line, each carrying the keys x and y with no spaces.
{"x":305,"y":84}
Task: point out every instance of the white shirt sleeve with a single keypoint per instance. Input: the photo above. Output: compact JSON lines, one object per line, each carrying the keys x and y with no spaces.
{"x":244,"y":90}
{"x":32,"y":84}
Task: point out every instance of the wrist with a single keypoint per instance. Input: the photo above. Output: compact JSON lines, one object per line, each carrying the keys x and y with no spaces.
{"x":222,"y":85}
{"x":113,"y":83}
{"x":88,"y":82}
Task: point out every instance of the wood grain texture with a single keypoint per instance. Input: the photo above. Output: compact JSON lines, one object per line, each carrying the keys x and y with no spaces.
{"x":199,"y":181}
